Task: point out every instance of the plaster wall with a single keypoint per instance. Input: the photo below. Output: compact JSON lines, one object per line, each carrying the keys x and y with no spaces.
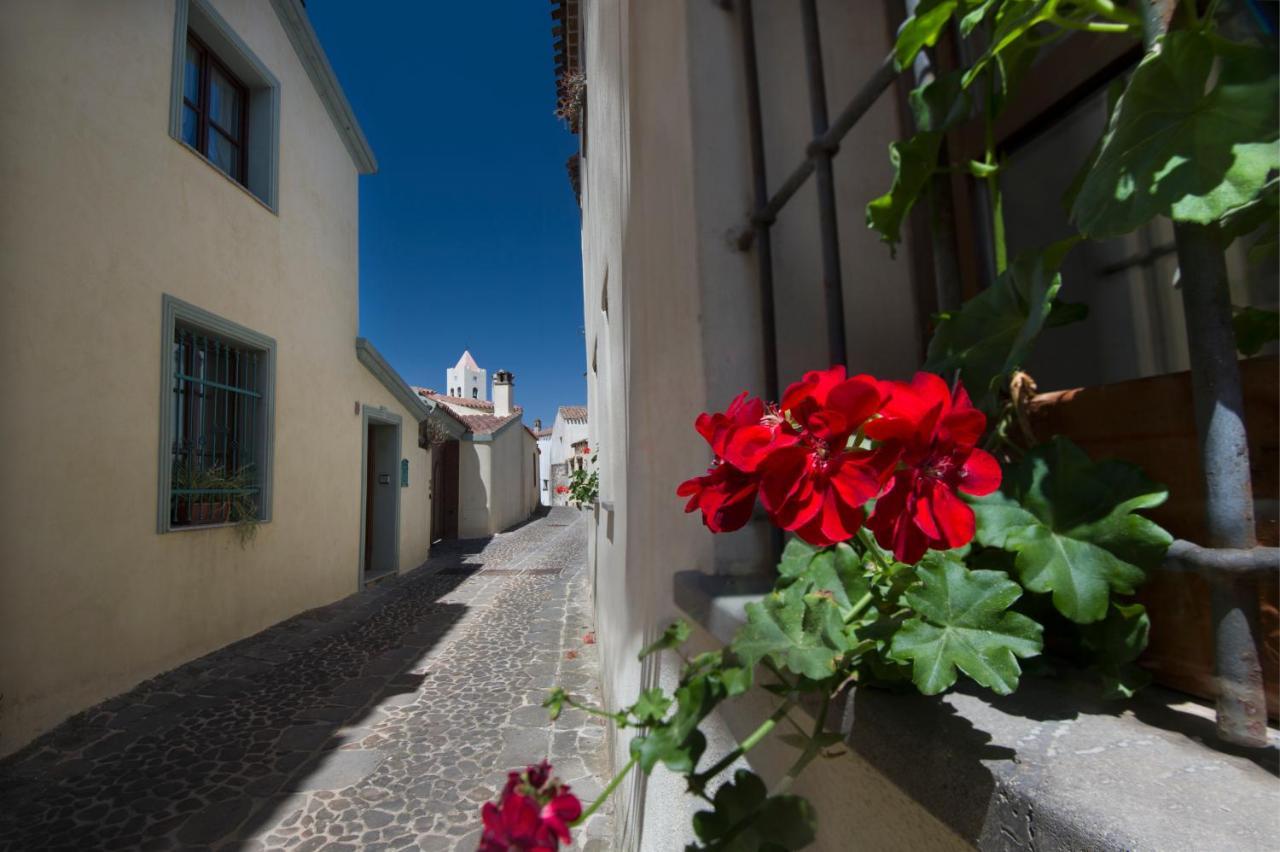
{"x":666,"y":184}
{"x":544,"y":470}
{"x":564,"y":434}
{"x":102,"y":213}
{"x":497,"y":482}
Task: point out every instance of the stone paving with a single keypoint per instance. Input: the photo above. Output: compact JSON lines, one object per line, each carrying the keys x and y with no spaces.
{"x":381,"y":722}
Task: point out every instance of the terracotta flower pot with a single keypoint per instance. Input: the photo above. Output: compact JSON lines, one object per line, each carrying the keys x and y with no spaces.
{"x":1151,"y":423}
{"x":202,"y":514}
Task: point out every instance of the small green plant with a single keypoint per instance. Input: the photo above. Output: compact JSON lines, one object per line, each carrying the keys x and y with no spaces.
{"x":219,"y":497}
{"x":584,"y":486}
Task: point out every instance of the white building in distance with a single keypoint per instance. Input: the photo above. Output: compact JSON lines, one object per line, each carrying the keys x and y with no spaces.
{"x":569,"y":449}
{"x":467,"y":380}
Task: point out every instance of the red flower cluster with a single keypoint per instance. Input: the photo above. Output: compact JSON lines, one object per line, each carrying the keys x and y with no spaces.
{"x":836,"y":442}
{"x":562,"y":489}
{"x":533,"y":814}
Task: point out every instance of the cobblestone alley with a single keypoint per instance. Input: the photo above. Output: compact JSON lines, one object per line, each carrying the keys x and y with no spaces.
{"x":381,"y":722}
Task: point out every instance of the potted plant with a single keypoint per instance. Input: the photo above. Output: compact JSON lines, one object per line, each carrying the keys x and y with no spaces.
{"x":209,"y":496}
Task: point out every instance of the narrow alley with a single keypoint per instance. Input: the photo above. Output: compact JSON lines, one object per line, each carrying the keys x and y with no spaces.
{"x":383,"y":721}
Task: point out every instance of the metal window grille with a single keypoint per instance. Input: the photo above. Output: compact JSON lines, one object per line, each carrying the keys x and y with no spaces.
{"x":216,"y":423}
{"x":1233,"y":560}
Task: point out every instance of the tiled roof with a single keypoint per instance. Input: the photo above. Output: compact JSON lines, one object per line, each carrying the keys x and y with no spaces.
{"x":574,"y":413}
{"x":542,"y":433}
{"x":483,"y":424}
{"x":465,"y":402}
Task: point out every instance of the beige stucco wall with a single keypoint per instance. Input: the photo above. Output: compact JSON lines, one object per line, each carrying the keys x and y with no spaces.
{"x":497,"y":481}
{"x":103,"y":212}
{"x":666,"y":186}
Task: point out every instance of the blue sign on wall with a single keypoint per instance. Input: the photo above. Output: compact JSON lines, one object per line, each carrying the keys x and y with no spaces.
{"x":404,"y":473}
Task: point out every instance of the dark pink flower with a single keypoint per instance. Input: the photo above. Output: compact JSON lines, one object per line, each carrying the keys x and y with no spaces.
{"x":534,"y":813}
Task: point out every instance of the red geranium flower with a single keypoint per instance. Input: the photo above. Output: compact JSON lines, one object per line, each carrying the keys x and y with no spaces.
{"x":815,"y":484}
{"x":533,"y":814}
{"x":725,"y":495}
{"x":741,"y":437}
{"x":935,"y":435}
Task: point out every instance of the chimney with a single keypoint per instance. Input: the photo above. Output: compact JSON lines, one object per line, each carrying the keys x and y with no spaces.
{"x":537,"y":425}
{"x":503,"y":393}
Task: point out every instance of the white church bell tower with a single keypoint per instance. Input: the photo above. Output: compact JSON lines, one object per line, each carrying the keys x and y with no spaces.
{"x":465,"y":379}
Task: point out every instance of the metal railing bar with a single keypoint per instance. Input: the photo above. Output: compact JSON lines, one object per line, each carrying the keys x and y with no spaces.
{"x":879,"y":82}
{"x":832,"y":283}
{"x":217,"y":385}
{"x":1187,"y":557}
{"x":760,"y":190}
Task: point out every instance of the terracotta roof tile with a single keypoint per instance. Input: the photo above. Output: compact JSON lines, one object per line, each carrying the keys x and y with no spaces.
{"x":574,"y":413}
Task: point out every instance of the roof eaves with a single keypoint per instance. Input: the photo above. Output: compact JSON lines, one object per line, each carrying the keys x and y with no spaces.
{"x":385,"y":373}
{"x":293,"y":17}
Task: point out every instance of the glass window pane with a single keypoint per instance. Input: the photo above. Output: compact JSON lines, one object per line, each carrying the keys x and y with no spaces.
{"x":191,"y":75}
{"x":224,"y":154}
{"x":224,"y":103}
{"x":190,"y":126}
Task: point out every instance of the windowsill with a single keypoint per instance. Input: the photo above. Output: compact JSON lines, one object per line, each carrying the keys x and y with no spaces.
{"x":1049,"y":767}
{"x":197,"y":527}
{"x":228,"y":178}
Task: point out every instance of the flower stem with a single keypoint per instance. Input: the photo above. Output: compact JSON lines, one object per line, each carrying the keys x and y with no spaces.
{"x":993,"y":180}
{"x":1108,"y":9}
{"x":749,"y":743}
{"x":870,"y":547}
{"x":594,"y":711}
{"x":810,"y":751}
{"x":605,"y":793}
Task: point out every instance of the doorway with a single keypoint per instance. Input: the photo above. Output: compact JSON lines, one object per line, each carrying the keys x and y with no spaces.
{"x":379,"y":495}
{"x":444,"y":491}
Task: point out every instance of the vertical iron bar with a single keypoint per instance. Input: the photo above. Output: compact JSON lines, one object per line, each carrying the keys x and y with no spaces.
{"x":981,"y":199}
{"x":760,"y":190}
{"x":1224,"y":459}
{"x":1224,"y":455}
{"x":831,"y":281}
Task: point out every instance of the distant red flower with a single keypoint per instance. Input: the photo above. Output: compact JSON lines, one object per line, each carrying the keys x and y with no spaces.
{"x":935,"y":434}
{"x":562,"y":489}
{"x":533,"y":814}
{"x":816,"y":485}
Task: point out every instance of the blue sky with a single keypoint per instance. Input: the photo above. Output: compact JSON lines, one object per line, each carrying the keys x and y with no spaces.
{"x":469,"y":232}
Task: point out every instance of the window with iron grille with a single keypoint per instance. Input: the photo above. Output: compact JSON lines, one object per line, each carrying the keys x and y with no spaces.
{"x":218,"y":383}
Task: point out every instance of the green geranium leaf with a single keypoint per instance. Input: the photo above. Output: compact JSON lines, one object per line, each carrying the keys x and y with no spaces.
{"x":677,"y":742}
{"x":914,"y":161}
{"x":651,"y":707}
{"x":1194,"y":137}
{"x":1009,"y":45}
{"x":555,"y":703}
{"x":796,"y":557}
{"x":962,"y":621}
{"x":940,"y":104}
{"x":736,"y":679}
{"x":836,"y":571}
{"x":1254,"y":329}
{"x":746,"y":818}
{"x":1116,"y":642}
{"x":1071,"y":523}
{"x":922,"y":30}
{"x":975,"y":16}
{"x":673,"y":637}
{"x":800,"y":632}
{"x":995,"y":331}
